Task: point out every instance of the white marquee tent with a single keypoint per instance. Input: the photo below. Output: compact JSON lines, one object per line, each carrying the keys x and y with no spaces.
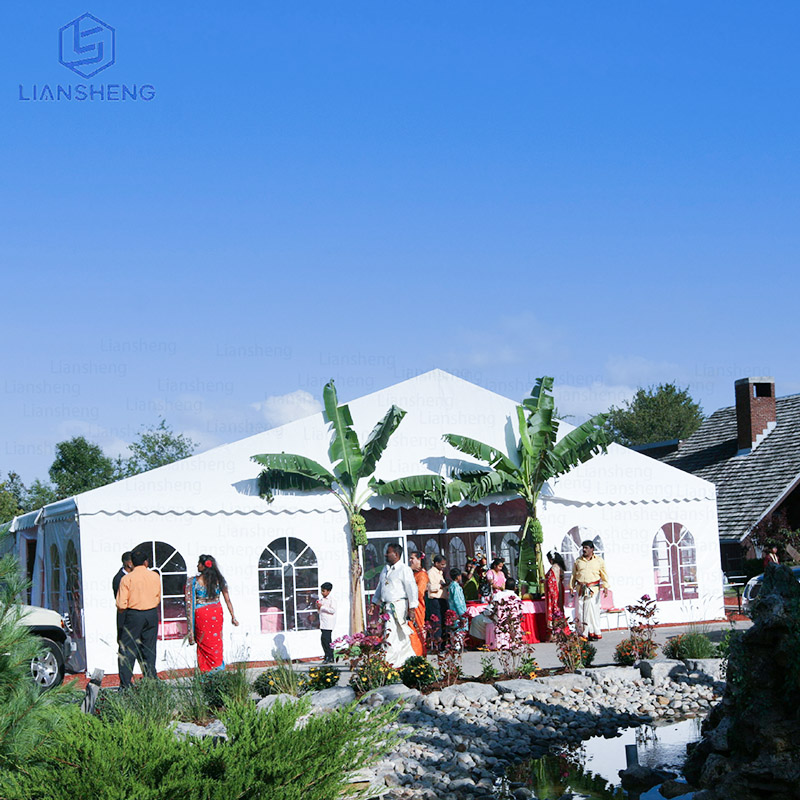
{"x":655,"y":525}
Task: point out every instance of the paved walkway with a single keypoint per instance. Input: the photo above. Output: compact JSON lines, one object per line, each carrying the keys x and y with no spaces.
{"x":547,"y":657}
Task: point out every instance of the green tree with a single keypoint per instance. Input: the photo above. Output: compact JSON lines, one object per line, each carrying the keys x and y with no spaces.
{"x":351,"y":466}
{"x":656,"y":414}
{"x":12,"y":497}
{"x":27,"y":715}
{"x":154,"y":447}
{"x":79,"y":465}
{"x":538,"y":457}
{"x":39,"y":494}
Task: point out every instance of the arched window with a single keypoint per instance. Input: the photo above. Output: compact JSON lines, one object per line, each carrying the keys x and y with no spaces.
{"x":288,"y":586}
{"x":571,"y":546}
{"x":457,"y":553}
{"x":509,"y":552}
{"x":431,"y":550}
{"x":74,"y":600}
{"x":674,"y":563}
{"x":169,"y":563}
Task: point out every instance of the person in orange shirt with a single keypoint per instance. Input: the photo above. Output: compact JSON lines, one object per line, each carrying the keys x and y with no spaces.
{"x":139,"y":600}
{"x":416,"y":561}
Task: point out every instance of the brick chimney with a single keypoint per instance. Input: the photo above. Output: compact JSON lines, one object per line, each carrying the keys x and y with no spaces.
{"x":755,"y":410}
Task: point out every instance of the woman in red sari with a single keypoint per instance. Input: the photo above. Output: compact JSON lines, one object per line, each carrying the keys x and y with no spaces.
{"x":204,"y":612}
{"x":554,"y":593}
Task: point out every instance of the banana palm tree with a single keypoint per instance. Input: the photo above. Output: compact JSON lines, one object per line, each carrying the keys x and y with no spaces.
{"x":351,"y":465}
{"x":538,"y":457}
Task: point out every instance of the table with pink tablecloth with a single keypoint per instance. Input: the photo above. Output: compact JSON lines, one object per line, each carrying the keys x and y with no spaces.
{"x":533,"y":621}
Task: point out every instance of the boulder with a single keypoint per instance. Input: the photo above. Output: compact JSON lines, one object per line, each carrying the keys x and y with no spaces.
{"x":660,"y":671}
{"x":672,"y":788}
{"x":270,"y":700}
{"x":335,"y":697}
{"x":520,"y":687}
{"x":391,"y":694}
{"x":472,"y":692}
{"x":612,"y":674}
{"x":638,"y":778}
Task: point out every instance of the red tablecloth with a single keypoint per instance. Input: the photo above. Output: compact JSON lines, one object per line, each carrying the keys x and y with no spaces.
{"x":533,"y":621}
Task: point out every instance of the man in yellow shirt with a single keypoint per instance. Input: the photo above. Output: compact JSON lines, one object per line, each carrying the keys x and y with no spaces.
{"x":138,"y":600}
{"x":588,"y":577}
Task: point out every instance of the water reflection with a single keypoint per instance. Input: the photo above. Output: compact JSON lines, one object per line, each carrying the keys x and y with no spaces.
{"x":591,"y":769}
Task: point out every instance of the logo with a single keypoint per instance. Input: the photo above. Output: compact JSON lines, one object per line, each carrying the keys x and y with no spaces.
{"x":86,"y":45}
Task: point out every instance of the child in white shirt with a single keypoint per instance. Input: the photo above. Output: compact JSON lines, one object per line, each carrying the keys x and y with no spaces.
{"x":327,"y":620}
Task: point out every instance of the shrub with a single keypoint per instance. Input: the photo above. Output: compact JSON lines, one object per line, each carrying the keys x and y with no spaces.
{"x":149,"y":700}
{"x":488,"y":670}
{"x":223,"y":685}
{"x":417,"y":673}
{"x":283,"y":679}
{"x":726,"y":642}
{"x":268,"y":756}
{"x":689,"y":645}
{"x":372,"y":672}
{"x":323,"y":677}
{"x":573,"y":652}
{"x":27,"y":715}
{"x":631,"y":650}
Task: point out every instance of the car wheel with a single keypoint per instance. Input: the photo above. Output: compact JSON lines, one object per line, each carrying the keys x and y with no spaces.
{"x":48,"y":667}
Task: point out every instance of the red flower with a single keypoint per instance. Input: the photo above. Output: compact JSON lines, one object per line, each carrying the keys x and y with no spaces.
{"x":208,"y":562}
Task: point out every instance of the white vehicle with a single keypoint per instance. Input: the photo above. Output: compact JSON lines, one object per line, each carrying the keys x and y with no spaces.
{"x":57,"y":646}
{"x":753,"y":588}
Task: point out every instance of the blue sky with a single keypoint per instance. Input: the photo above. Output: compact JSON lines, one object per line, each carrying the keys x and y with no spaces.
{"x":604,"y":192}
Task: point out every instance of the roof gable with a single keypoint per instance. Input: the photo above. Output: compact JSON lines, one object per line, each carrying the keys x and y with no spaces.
{"x":748,"y":486}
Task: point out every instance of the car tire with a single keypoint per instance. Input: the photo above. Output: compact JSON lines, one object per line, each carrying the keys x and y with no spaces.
{"x":48,"y":667}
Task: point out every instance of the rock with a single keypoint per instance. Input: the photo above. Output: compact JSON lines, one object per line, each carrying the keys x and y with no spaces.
{"x":390,"y":694}
{"x":611,"y":674}
{"x":661,"y":671}
{"x":639,"y":778}
{"x":522,"y":793}
{"x":271,"y":699}
{"x":335,"y":697}
{"x":562,"y":683}
{"x":709,"y":668}
{"x":520,"y":687}
{"x":473,"y":692}
{"x":673,"y":788}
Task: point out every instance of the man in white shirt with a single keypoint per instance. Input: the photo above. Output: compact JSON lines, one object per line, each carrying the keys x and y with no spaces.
{"x":397,"y":596}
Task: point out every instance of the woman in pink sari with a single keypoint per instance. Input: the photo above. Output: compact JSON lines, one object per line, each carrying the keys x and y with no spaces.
{"x":204,"y":611}
{"x":554,"y":593}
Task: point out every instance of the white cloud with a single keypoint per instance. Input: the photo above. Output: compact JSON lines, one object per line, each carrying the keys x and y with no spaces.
{"x":640,"y":371}
{"x":576,"y":404}
{"x":110,"y":443}
{"x":282,"y":408}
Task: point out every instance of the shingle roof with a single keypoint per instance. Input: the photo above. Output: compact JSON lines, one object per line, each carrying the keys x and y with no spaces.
{"x":750,"y":484}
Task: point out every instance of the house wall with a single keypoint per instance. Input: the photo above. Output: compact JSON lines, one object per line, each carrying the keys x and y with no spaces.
{"x":627,"y":532}
{"x":236,"y":541}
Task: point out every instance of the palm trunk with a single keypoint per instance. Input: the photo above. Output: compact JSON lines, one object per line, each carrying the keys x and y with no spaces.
{"x":531,"y":564}
{"x":356,"y":603}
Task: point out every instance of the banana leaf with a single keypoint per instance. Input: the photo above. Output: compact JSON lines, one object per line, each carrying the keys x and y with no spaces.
{"x":491,"y":455}
{"x":427,"y":491}
{"x":379,"y":439}
{"x":344,"y":450}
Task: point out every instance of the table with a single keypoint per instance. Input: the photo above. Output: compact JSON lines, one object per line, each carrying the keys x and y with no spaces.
{"x":533,"y":621}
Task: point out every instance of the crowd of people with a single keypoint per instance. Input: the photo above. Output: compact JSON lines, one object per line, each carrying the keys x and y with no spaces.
{"x":420,"y":606}
{"x":415,"y":601}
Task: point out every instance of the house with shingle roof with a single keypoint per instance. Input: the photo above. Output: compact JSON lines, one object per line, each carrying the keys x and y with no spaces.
{"x":751,"y":452}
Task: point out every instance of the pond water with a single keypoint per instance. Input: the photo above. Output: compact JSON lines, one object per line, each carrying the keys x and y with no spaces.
{"x":591,"y":770}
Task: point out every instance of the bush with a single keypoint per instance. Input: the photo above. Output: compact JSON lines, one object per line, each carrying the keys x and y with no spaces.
{"x":573,"y":652}
{"x":27,"y":715}
{"x":417,"y":673}
{"x":323,"y":677}
{"x":149,"y":700}
{"x":689,"y":645}
{"x":268,"y":757}
{"x":283,"y":679}
{"x":726,"y":642}
{"x":223,"y":685}
{"x":631,"y":650}
{"x":488,"y":670}
{"x":372,"y":672}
